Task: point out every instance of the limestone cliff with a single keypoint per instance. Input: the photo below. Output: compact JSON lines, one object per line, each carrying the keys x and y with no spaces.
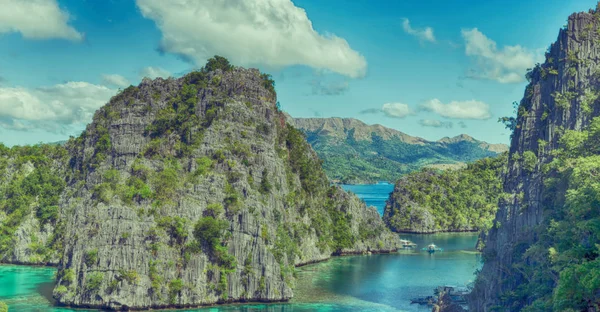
{"x":31,"y":182}
{"x":562,"y":95}
{"x":195,"y":191}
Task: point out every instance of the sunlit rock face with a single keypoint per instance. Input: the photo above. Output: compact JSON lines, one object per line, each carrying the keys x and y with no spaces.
{"x":560,"y":96}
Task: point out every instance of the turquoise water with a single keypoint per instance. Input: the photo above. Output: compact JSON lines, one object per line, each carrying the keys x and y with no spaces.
{"x":373,"y":194}
{"x":355,"y":283}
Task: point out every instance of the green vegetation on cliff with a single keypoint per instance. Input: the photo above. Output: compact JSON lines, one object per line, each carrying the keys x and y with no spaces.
{"x":562,"y":268}
{"x":202,"y":177}
{"x":31,"y":182}
{"x":453,"y":200}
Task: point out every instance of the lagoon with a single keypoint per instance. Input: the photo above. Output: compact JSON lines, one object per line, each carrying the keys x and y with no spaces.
{"x":384,"y":282}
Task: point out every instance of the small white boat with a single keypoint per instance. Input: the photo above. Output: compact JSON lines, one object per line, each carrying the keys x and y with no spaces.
{"x":432,"y":248}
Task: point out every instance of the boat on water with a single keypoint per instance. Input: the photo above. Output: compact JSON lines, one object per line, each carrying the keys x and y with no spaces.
{"x":432,"y":248}
{"x":406,"y":244}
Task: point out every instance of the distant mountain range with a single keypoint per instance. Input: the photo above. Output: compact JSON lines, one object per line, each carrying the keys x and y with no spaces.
{"x":354,"y":152}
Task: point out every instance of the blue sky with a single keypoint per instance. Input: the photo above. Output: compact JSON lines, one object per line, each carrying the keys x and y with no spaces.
{"x":427,"y":68}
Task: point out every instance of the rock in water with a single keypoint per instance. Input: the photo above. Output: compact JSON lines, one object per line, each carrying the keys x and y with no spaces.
{"x":195,"y":191}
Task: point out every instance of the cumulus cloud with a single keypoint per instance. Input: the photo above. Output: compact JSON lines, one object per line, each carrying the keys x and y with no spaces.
{"x":249,"y":32}
{"x":505,"y":65}
{"x":36,"y":19}
{"x":458,"y":109}
{"x":393,"y":110}
{"x":436,"y":123}
{"x":115,"y":80}
{"x":331,"y":88}
{"x":51,"y":108}
{"x":154,"y":72}
{"x":396,"y":110}
{"x":425,"y":34}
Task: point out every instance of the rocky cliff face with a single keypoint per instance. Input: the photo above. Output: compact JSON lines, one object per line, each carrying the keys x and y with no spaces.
{"x":195,"y":191}
{"x":562,"y":95}
{"x":31,"y":181}
{"x":354,"y":152}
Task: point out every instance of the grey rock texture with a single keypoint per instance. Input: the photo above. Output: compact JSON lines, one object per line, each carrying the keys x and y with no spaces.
{"x":554,"y":101}
{"x":24,"y":237}
{"x":124,"y":252}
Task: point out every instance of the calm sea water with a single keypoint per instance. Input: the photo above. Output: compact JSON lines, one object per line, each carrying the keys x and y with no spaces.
{"x":373,"y":194}
{"x":356,"y":283}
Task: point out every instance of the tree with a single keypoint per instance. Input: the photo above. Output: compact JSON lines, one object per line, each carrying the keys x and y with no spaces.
{"x":3,"y":307}
{"x":218,"y":62}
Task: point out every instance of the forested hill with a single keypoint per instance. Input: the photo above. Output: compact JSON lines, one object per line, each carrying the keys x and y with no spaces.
{"x":354,"y":152}
{"x":542,"y":253}
{"x":429,"y":201}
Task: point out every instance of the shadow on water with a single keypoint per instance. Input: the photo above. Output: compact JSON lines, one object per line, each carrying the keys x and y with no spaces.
{"x":45,"y":290}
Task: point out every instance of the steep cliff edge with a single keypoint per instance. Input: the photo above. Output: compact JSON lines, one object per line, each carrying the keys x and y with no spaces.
{"x":31,"y":181}
{"x":524,"y":248}
{"x":195,"y":191}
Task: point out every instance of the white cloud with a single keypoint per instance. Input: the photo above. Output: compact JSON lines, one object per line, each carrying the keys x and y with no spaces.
{"x":458,"y":109}
{"x":115,"y":80}
{"x":36,"y":19}
{"x":505,"y":65}
{"x":154,"y":72}
{"x":51,"y":108}
{"x":436,"y":123}
{"x":249,"y":32}
{"x":425,"y":34}
{"x":396,"y":110}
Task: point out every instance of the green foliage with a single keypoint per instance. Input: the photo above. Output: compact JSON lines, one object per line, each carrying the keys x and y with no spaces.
{"x":155,"y":278}
{"x":94,"y":281}
{"x":132,"y":277}
{"x":210,"y":231}
{"x":68,"y":276}
{"x":204,"y":165}
{"x":588,"y":100}
{"x":3,"y":307}
{"x":560,"y":271}
{"x":563,"y":100}
{"x":61,"y":290}
{"x":166,"y":182}
{"x":301,"y":162}
{"x":529,"y":161}
{"x":265,"y":185}
{"x":463,"y":199}
{"x":232,"y":199}
{"x":30,"y":183}
{"x":91,"y":257}
{"x":175,"y":287}
{"x":268,"y":82}
{"x":176,"y":227}
{"x":218,"y":62}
